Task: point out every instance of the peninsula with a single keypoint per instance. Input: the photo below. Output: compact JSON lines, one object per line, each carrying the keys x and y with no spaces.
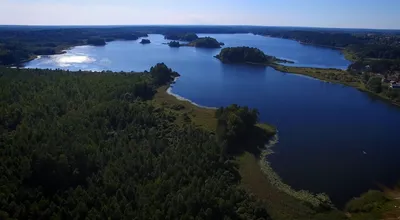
{"x":374,"y":84}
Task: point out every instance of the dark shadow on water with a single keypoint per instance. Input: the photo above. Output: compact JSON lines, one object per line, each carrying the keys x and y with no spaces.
{"x":249,"y":72}
{"x":376,"y":98}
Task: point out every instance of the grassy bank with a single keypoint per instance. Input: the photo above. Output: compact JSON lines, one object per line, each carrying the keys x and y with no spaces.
{"x":280,"y":204}
{"x":317,"y":201}
{"x":185,"y":111}
{"x":372,"y":205}
{"x":334,"y":76}
{"x":328,"y":75}
{"x":349,"y":55}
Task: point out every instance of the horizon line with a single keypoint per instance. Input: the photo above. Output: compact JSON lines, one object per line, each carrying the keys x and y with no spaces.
{"x":177,"y":25}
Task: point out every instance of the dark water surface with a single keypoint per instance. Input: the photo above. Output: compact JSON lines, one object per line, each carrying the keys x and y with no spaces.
{"x":333,"y":138}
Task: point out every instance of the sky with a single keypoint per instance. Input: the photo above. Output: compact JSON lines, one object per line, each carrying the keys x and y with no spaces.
{"x":380,"y":14}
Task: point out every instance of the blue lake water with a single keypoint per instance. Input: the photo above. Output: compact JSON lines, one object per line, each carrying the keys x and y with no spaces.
{"x":333,"y":138}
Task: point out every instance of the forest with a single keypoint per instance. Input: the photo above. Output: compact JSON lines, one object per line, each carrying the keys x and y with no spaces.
{"x":96,"y":41}
{"x":174,"y":44}
{"x":90,"y":145}
{"x":181,"y":37}
{"x":363,"y":45}
{"x":244,"y":55}
{"x":205,"y":42}
{"x":145,"y":41}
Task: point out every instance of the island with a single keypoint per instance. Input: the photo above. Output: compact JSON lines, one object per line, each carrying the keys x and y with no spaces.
{"x":205,"y":42}
{"x":182,"y":37}
{"x":249,"y":55}
{"x":96,"y":41}
{"x":174,"y":44}
{"x":145,"y":41}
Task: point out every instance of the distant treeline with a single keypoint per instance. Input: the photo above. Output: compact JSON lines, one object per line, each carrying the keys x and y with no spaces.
{"x":18,"y":44}
{"x":363,"y":45}
{"x":182,"y":37}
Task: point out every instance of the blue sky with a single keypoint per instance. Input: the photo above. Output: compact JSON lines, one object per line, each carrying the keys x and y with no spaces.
{"x":310,"y":13}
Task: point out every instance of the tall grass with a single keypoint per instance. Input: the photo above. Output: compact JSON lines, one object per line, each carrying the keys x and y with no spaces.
{"x":317,"y":201}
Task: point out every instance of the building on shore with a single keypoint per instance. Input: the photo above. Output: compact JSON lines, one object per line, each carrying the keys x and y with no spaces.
{"x":394,"y":85}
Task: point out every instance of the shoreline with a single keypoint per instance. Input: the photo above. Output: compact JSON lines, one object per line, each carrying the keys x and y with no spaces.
{"x":315,"y":200}
{"x":181,"y":98}
{"x":62,"y":50}
{"x":324,"y":75}
{"x":317,"y":71}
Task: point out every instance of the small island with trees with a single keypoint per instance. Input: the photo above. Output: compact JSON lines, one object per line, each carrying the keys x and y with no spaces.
{"x":182,"y":37}
{"x":248,"y":55}
{"x":145,"y":41}
{"x":205,"y":42}
{"x":174,"y":44}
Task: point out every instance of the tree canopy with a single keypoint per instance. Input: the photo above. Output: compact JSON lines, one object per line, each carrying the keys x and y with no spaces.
{"x":145,"y":41}
{"x":375,"y":84}
{"x":243,"y":55}
{"x":162,"y":74}
{"x":235,"y":126}
{"x":174,"y":44}
{"x":86,"y":145}
{"x":96,"y":41}
{"x":181,"y":37}
{"x":205,"y":42}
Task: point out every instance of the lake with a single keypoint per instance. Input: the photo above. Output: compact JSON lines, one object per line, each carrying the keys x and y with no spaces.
{"x":333,"y":138}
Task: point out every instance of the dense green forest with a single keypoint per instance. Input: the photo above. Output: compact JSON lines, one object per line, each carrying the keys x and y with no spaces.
{"x":205,"y":42}
{"x":329,"y":39}
{"x":364,"y":45}
{"x":245,"y":55}
{"x":85,"y":145}
{"x":242,"y":55}
{"x":182,"y":37}
{"x":174,"y":44}
{"x":145,"y":41}
{"x":96,"y":41}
